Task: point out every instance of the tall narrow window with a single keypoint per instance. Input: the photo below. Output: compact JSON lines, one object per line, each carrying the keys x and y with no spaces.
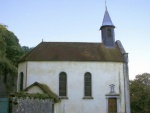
{"x":112,"y":105}
{"x":87,"y":84}
{"x":63,"y":84}
{"x":21,"y":81}
{"x":109,"y":32}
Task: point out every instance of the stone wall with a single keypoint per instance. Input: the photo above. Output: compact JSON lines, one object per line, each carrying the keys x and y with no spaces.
{"x":27,"y":105}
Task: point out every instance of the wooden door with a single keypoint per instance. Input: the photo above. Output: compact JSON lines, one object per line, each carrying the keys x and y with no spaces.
{"x":112,"y":105}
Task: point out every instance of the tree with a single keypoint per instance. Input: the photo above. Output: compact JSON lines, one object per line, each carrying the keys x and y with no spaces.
{"x":140,"y":94}
{"x":10,"y":52}
{"x":144,"y":78}
{"x":26,"y":49}
{"x":2,"y":42}
{"x":13,"y":48}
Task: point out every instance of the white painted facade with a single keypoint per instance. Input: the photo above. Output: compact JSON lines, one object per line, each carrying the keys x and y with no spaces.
{"x":103,"y":74}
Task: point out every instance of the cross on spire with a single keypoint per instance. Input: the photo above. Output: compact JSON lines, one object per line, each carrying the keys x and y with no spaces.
{"x":106,"y":5}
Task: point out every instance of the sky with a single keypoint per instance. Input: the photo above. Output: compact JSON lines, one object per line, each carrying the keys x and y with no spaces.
{"x":79,"y":21}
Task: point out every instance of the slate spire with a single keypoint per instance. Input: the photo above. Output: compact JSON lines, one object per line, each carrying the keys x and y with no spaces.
{"x":107,"y":20}
{"x":107,"y":30}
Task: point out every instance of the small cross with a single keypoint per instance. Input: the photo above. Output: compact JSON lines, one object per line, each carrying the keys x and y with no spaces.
{"x":112,"y":86}
{"x":105,"y":4}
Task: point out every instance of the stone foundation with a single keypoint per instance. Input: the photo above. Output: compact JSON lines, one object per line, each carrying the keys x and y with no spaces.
{"x":27,"y":105}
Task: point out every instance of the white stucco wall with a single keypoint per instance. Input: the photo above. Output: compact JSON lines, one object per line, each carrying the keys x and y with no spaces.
{"x":35,"y":89}
{"x":103,"y":74}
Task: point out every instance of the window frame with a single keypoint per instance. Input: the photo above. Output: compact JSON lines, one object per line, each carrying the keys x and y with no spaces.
{"x":88,"y":87}
{"x":21,"y":81}
{"x":61,"y":81}
{"x":109,"y":32}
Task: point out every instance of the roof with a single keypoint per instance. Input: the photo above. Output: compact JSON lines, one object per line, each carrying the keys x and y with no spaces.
{"x":46,"y":90}
{"x":73,"y":51}
{"x":107,"y":20}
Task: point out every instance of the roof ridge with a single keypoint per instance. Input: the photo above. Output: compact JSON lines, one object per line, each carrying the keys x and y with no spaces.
{"x":76,"y":42}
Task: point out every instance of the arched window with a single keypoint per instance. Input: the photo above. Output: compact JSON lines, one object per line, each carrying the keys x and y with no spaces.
{"x":62,"y":84}
{"x":21,"y":81}
{"x":87,"y":84}
{"x":109,"y":32}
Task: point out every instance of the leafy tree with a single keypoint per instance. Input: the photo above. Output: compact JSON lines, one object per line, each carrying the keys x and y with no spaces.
{"x":13,"y":48}
{"x":26,"y":49}
{"x":144,"y":78}
{"x":2,"y":42}
{"x":10,"y":52}
{"x":140,"y":94}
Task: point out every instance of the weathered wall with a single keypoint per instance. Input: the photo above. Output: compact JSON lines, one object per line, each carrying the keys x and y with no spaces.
{"x":103,"y":74}
{"x":20,"y":105}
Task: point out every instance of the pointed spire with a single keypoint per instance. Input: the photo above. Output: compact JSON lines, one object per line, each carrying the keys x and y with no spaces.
{"x":107,"y":30}
{"x":107,"y":20}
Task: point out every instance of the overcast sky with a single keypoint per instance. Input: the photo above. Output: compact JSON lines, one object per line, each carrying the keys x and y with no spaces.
{"x":79,"y":21}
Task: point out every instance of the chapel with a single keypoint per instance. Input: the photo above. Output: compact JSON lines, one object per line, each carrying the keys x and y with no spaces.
{"x":86,"y":77}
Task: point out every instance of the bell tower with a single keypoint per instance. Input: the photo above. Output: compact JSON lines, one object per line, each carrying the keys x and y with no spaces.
{"x":107,"y":31}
